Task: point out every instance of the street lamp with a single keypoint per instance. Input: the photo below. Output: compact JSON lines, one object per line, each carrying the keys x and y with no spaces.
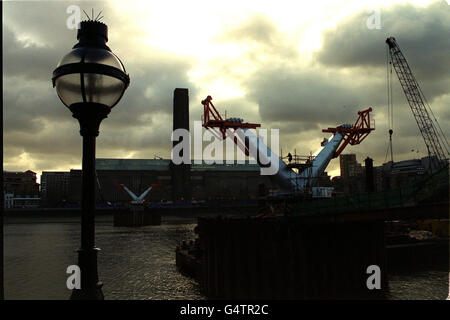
{"x":90,"y":80}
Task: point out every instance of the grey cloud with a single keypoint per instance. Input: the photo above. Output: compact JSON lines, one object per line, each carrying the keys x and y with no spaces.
{"x":422,"y":34}
{"x":236,"y":107}
{"x":29,"y":60}
{"x":300,"y":102}
{"x":36,"y":123}
{"x":45,"y":21}
{"x":258,"y":28}
{"x":293,"y":127}
{"x":351,"y":75}
{"x":303,"y":104}
{"x":150,"y":94}
{"x":263,"y":32}
{"x":155,"y":136}
{"x":27,"y":104}
{"x":305,"y":97}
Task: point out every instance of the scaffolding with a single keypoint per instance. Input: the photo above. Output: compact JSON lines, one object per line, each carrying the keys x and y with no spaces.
{"x":299,"y":164}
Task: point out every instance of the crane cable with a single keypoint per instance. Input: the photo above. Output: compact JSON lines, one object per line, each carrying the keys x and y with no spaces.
{"x":390,"y":93}
{"x":390,"y":105}
{"x":99,"y":188}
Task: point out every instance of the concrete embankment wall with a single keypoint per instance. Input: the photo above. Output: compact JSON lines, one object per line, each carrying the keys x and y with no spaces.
{"x":218,"y":209}
{"x":52,"y":215}
{"x":122,"y":216}
{"x":290,"y":258}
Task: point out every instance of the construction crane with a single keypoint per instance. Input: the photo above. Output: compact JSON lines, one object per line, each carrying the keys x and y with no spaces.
{"x":437,"y":147}
{"x":287,"y":179}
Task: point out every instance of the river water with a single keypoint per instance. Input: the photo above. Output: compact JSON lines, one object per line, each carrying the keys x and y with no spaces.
{"x":134,"y":263}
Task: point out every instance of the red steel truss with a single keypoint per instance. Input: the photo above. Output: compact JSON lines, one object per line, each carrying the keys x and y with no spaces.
{"x":356,"y":134}
{"x":213,"y":119}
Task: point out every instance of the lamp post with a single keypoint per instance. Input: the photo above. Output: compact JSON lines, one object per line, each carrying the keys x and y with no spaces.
{"x":90,"y":80}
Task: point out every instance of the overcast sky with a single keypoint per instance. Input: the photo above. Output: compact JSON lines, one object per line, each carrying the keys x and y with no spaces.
{"x":297,"y":66}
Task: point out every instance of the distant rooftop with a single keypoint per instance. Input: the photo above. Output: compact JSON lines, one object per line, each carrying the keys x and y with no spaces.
{"x":132,"y":164}
{"x":164,"y":164}
{"x":225,"y":167}
{"x":19,"y":173}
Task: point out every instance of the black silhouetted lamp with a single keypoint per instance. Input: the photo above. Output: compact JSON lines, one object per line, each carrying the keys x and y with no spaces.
{"x":90,"y":80}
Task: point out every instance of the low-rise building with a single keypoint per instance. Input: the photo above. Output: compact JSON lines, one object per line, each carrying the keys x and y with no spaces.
{"x":206,"y":181}
{"x":386,"y":177}
{"x":21,"y":184}
{"x":353,"y":178}
{"x":54,"y":188}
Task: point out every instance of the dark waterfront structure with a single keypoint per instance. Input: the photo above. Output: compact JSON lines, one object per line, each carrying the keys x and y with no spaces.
{"x":54,"y":188}
{"x":184,"y":182}
{"x":320,"y":249}
{"x":208,"y":182}
{"x":181,"y":173}
{"x":90,"y":80}
{"x":224,"y":182}
{"x":290,"y":258}
{"x":21,"y":184}
{"x":354,"y":177}
{"x":370,"y":182}
{"x":349,"y":166}
{"x":20,"y":190}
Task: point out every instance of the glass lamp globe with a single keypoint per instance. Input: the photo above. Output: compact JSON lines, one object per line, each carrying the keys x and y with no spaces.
{"x":91,"y":73}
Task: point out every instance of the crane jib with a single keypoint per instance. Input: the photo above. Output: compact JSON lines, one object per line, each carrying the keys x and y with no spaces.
{"x":437,"y":146}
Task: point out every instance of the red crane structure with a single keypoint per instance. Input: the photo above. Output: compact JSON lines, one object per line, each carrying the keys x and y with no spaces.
{"x":355,"y":134}
{"x":213,"y":120}
{"x":287,"y":179}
